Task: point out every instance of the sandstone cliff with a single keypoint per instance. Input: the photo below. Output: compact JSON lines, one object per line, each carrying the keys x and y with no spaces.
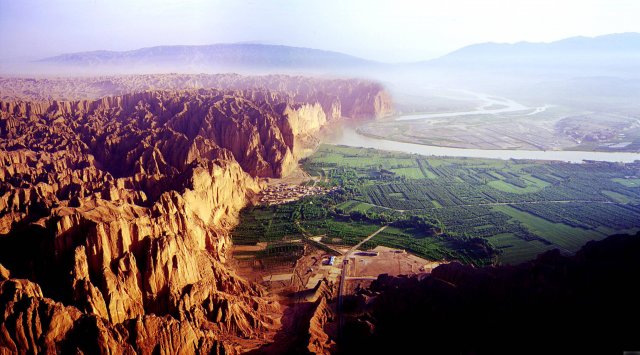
{"x":339,"y":98}
{"x":114,"y":213}
{"x":34,"y":324}
{"x":319,"y":341}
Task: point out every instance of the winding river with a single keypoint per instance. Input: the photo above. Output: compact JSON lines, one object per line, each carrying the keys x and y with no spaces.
{"x":347,"y":135}
{"x":491,"y":105}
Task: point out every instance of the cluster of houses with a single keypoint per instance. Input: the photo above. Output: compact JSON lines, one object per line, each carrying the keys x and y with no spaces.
{"x":283,"y":193}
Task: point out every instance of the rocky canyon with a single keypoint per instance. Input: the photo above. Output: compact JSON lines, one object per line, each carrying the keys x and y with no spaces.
{"x":117,"y":195}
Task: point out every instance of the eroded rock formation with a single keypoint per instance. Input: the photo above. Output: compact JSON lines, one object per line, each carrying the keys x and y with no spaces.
{"x":114,"y":212}
{"x":319,"y":340}
{"x":338,"y":98}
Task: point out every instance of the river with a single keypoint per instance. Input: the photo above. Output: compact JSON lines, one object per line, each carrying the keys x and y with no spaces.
{"x":346,"y":134}
{"x":490,"y":105}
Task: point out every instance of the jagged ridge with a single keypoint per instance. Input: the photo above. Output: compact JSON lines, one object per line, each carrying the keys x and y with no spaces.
{"x":119,"y":208}
{"x":339,"y":98}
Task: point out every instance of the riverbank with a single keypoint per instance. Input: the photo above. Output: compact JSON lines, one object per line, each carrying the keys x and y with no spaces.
{"x":347,"y":135}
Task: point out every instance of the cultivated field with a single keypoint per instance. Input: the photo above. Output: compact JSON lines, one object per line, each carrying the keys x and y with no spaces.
{"x":474,"y":210}
{"x":545,"y":128}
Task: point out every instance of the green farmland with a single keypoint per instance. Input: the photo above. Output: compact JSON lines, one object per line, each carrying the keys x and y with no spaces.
{"x":478,"y":211}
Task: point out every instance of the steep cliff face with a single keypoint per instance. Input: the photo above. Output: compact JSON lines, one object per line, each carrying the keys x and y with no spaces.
{"x":319,"y":341}
{"x":339,"y":98}
{"x":305,"y":121}
{"x":117,"y":211}
{"x":35,"y":324}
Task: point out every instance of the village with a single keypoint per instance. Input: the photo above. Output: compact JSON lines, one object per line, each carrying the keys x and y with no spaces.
{"x":281,"y":193}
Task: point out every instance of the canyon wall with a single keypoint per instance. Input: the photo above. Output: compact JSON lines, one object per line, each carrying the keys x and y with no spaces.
{"x":351,"y":98}
{"x":115,"y":211}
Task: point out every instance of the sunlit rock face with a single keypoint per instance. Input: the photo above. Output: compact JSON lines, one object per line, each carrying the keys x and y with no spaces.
{"x":115,"y":211}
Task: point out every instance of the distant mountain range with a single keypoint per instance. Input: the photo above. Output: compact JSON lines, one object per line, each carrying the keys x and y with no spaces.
{"x":577,"y":56}
{"x":616,"y":52}
{"x":259,"y":56}
{"x":614,"y":44}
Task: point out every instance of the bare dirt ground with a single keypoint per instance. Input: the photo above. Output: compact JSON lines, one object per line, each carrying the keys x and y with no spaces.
{"x":365,"y":266}
{"x":296,"y":177}
{"x":388,"y":261}
{"x":245,"y":248}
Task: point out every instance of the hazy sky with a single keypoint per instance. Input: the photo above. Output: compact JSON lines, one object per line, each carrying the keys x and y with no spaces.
{"x":385,"y":30}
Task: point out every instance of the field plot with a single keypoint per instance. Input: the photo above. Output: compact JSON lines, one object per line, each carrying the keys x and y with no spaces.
{"x":474,"y":210}
{"x":560,"y":235}
{"x":387,"y":260}
{"x":550,"y":127}
{"x":507,"y":130}
{"x":627,"y":182}
{"x":518,"y":249}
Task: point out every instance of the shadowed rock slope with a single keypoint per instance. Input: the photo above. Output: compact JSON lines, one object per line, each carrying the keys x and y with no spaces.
{"x":114,"y":215}
{"x":339,"y":98}
{"x":586,"y":303}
